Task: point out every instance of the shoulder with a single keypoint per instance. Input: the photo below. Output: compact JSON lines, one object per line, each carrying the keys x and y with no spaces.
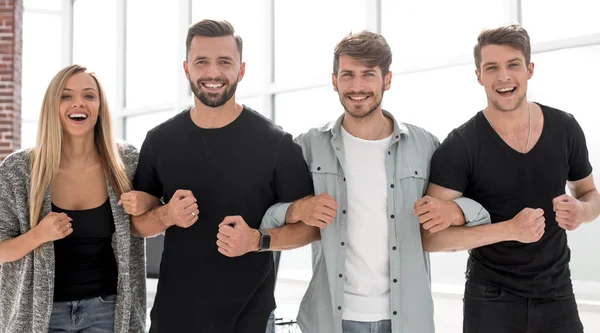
{"x":169,"y":126}
{"x":261,"y":124}
{"x":129,"y":154}
{"x":554,"y":114}
{"x":316,"y":135}
{"x":420,"y":136}
{"x":17,"y":165}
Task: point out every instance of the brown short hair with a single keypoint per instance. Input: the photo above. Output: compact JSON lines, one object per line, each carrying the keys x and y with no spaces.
{"x":368,"y":48}
{"x":212,"y":28}
{"x":513,"y":35}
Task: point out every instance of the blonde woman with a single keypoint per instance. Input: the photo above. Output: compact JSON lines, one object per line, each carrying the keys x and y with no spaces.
{"x":69,"y":262}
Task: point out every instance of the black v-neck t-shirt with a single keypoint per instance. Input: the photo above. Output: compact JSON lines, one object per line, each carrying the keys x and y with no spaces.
{"x":241,"y":169}
{"x":476,"y":161}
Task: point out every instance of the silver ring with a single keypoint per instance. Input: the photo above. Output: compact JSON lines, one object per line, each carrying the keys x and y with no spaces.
{"x":193,"y":214}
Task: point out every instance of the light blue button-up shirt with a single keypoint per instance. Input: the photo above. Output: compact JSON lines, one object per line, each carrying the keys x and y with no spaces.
{"x":407,"y":170}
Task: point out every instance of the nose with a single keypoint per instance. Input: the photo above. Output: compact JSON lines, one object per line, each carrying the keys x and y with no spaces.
{"x":503,"y":75}
{"x":77,"y":101}
{"x":357,"y":83}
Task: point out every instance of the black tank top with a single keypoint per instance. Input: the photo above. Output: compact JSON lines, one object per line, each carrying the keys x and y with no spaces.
{"x":85,"y":262}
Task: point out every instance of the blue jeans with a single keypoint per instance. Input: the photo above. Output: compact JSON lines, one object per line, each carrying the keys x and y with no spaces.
{"x":271,"y":323}
{"x":94,"y":315}
{"x":382,"y":326}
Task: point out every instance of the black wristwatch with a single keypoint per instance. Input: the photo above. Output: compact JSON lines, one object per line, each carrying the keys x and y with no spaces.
{"x":264,"y":242}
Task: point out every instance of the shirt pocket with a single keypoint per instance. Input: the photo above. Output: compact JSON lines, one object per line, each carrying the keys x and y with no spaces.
{"x":412,"y":184}
{"x":325,"y":177}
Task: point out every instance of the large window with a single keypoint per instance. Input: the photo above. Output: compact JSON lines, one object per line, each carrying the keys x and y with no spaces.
{"x":306,"y":34}
{"x":152,"y":65}
{"x":42,"y":59}
{"x":433,"y":33}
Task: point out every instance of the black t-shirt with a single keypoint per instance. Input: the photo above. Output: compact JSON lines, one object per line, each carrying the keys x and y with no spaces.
{"x":240,"y":169}
{"x":85,"y":264}
{"x":476,"y":161}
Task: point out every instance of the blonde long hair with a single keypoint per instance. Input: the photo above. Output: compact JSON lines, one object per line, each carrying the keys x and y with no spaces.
{"x":45,"y":157}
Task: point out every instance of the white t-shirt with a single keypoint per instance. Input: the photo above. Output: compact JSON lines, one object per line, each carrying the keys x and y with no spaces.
{"x":367,"y":280}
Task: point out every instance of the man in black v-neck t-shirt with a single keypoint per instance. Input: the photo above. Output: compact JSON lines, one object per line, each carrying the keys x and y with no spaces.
{"x":515,"y":159}
{"x":218,"y":166}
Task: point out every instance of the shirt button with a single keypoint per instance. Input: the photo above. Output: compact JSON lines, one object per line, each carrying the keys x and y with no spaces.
{"x":340,"y":275}
{"x":344,"y":178}
{"x":339,"y":307}
{"x":397,"y":136}
{"x":318,"y":168}
{"x":395,"y":313}
{"x":389,"y":152}
{"x":343,"y":243}
{"x":337,"y":148}
{"x":394,"y":248}
{"x":392,"y":185}
{"x":392,"y":216}
{"x":395,"y":280}
{"x":416,"y":172}
{"x":344,"y":211}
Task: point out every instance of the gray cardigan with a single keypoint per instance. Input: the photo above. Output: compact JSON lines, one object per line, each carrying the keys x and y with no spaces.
{"x":27,"y":285}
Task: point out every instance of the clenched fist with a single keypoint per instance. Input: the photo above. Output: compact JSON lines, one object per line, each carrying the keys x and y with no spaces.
{"x":316,"y":211}
{"x":236,"y":238}
{"x":528,"y":226}
{"x":53,"y":226}
{"x":137,"y":203}
{"x":182,"y":209}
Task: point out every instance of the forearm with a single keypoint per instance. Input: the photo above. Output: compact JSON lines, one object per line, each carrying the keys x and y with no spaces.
{"x":292,"y":236}
{"x":16,"y":248}
{"x":466,"y":238}
{"x":592,"y":202}
{"x":151,"y":223}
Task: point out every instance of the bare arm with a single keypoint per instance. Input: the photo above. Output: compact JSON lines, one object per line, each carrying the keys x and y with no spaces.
{"x":181,"y":210}
{"x":52,"y":227}
{"x":582,"y":207}
{"x":151,"y":223}
{"x":16,"y":248}
{"x":292,"y":236}
{"x":527,"y":226}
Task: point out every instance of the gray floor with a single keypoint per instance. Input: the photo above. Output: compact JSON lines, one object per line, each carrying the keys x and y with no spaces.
{"x":448,"y":307}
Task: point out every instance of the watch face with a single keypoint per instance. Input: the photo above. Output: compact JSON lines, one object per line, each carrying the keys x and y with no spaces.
{"x":265,"y":241}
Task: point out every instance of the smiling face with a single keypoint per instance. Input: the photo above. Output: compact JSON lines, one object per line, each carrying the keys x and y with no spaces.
{"x":79,"y":105}
{"x":360,"y":88}
{"x":214,"y":69}
{"x":504,"y":74}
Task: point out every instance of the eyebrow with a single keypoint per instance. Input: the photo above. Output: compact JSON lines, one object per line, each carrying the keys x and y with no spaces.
{"x":84,"y":89}
{"x":365,"y":71}
{"x":230,"y":58}
{"x":511,"y":60}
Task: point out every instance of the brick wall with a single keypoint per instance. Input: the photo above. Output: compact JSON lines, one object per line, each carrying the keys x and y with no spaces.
{"x":11,"y":51}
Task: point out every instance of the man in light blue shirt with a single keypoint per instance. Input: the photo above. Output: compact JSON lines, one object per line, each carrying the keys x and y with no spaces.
{"x":370,"y":273}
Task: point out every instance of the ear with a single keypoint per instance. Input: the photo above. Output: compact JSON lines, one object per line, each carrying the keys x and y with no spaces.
{"x":242,"y":71}
{"x":530,"y":68}
{"x":388,"y":80}
{"x":478,"y":74}
{"x":186,"y":69}
{"x":334,"y":82}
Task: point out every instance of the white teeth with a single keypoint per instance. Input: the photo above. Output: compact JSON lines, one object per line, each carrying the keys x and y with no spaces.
{"x":78,"y":115}
{"x":358,"y":98}
{"x":505,"y":89}
{"x":214,"y":85}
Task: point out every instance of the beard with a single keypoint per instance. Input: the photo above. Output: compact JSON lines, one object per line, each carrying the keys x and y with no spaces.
{"x":213,"y":100}
{"x":371,"y":107}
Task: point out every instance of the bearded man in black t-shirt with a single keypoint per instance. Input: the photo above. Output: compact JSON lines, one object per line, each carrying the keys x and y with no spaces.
{"x":515,"y":158}
{"x":218,"y":166}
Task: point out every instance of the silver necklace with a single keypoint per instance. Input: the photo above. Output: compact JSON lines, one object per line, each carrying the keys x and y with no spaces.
{"x":528,"y":135}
